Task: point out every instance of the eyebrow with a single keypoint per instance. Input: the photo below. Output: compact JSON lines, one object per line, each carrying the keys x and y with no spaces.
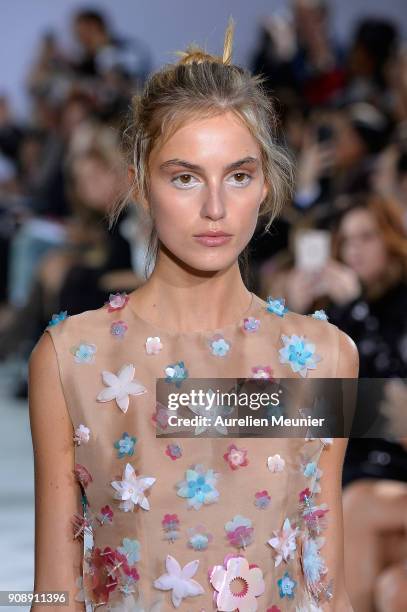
{"x":196,"y":168}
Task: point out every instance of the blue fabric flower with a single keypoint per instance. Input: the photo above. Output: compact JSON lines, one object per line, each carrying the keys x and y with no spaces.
{"x":320,"y":315}
{"x":131,"y":549}
{"x":198,"y":487}
{"x":313,"y":564}
{"x":176,"y":373}
{"x":286,"y":586}
{"x":298,"y":353}
{"x":219,"y":346}
{"x":84,"y":353}
{"x":57,"y":318}
{"x":310,"y":469}
{"x":125,"y":445}
{"x":276,"y":305}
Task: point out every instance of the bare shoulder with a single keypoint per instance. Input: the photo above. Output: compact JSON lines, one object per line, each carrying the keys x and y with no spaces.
{"x":348,"y":358}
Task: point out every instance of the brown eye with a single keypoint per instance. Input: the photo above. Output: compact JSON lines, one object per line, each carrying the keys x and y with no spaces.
{"x":185,"y":176}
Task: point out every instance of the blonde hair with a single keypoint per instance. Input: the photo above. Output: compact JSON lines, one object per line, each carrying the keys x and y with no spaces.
{"x":204,"y":85}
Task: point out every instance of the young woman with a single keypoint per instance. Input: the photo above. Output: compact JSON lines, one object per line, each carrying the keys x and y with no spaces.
{"x":196,"y":524}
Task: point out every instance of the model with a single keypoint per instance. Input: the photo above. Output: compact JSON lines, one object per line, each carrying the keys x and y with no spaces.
{"x":197,"y":523}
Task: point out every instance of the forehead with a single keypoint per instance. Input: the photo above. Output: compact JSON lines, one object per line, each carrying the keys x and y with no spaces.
{"x":224,"y":136}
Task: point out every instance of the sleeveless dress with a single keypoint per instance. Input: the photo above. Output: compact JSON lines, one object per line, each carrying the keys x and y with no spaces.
{"x":203,"y":523}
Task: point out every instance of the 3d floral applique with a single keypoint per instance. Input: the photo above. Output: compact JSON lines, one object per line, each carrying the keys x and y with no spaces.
{"x":170,"y":525}
{"x":125,"y":446}
{"x":325,"y":441}
{"x":118,"y":329}
{"x":313,"y":515}
{"x":81,"y":435}
{"x":236,"y":457}
{"x":262,"y":499}
{"x":106,"y":571}
{"x":179,"y":580}
{"x":310,"y":469}
{"x":299,"y":354}
{"x":308,"y":607}
{"x":117,"y":301}
{"x":240,"y":531}
{"x":219,"y":346}
{"x":174,"y":451}
{"x":211,"y":410}
{"x":130,"y":549}
{"x":265,"y":372}
{"x":160,"y":417}
{"x":313,"y":564}
{"x":238,"y":584}
{"x":130,"y":490}
{"x":199,"y":487}
{"x":83,"y":476}
{"x":286,"y":586}
{"x":284,"y":542}
{"x":153,"y":345}
{"x":82,"y":524}
{"x":176,"y":373}
{"x":84,"y":353}
{"x":58,"y":318}
{"x":320,"y":315}
{"x":119,"y":386}
{"x":277,"y":306}
{"x":275,"y":463}
{"x":105,"y":515}
{"x":198,"y":537}
{"x":251,"y":324}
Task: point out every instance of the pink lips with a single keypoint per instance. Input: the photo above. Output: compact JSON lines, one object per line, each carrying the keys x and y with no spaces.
{"x":213,"y":238}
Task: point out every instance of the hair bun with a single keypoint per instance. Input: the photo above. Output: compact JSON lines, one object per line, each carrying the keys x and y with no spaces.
{"x":194,"y":53}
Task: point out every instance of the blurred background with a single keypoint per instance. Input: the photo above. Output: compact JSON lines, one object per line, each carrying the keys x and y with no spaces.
{"x":337,"y":72}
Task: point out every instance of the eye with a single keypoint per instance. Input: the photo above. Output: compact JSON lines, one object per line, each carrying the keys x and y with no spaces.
{"x":184,"y":181}
{"x":241,"y":178}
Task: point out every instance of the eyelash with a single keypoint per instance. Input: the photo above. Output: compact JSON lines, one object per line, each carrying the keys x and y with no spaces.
{"x":188,"y":186}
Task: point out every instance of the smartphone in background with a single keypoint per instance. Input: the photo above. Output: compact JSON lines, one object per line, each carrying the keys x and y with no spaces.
{"x":312,"y":249}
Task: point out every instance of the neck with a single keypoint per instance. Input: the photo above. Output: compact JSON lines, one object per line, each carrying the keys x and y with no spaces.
{"x":188,"y":299}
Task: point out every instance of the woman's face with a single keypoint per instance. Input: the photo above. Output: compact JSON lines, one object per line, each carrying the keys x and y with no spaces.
{"x":207,"y":179}
{"x":363,"y":248}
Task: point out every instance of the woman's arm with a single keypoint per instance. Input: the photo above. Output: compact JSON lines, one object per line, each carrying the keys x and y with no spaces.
{"x":58,"y":556}
{"x":331,"y":462}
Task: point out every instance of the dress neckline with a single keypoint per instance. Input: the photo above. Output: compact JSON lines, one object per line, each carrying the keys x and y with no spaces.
{"x":158,"y":330}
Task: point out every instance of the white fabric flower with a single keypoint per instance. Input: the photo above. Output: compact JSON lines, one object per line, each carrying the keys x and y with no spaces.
{"x":179,"y":580}
{"x":131,"y":489}
{"x":82,"y":434}
{"x":275,"y":463}
{"x":237,"y":572}
{"x":153,"y":345}
{"x":284,"y":542}
{"x":120,"y":386}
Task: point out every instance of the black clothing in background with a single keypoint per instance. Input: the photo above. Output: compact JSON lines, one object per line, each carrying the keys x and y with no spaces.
{"x":379,"y":329}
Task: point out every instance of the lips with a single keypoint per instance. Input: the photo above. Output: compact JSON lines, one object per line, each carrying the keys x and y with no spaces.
{"x":213,"y":238}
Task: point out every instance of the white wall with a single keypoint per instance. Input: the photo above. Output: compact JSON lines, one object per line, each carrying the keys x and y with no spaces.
{"x":167,"y":25}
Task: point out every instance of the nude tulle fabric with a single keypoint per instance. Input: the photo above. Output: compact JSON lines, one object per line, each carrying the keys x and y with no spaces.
{"x":82,"y":382}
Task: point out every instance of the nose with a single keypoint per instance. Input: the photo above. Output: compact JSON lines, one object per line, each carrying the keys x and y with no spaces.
{"x":214,"y":205}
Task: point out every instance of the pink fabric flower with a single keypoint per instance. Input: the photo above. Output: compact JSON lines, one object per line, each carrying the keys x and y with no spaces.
{"x":106,"y":515}
{"x":284,"y":542}
{"x":119,"y":328}
{"x":228,"y":578}
{"x":262,"y":372}
{"x":117,"y":301}
{"x":82,"y":475}
{"x":236,"y":457}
